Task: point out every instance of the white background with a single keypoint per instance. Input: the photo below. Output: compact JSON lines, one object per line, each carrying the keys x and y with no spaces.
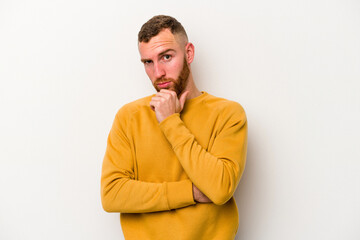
{"x":66,"y":67}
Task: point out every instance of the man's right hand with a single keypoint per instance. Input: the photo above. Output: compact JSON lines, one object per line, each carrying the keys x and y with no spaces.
{"x":199,"y":196}
{"x":166,"y":103}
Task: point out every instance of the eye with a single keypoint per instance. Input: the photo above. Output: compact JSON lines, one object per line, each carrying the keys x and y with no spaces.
{"x":146,"y":62}
{"x":167,"y":57}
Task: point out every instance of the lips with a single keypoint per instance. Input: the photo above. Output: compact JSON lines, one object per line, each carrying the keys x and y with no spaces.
{"x":164,"y":84}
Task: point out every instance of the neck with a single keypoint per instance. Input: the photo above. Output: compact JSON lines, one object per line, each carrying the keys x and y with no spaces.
{"x":191,"y":87}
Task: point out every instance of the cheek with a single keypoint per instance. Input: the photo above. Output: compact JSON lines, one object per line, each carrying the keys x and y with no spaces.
{"x":174,"y":68}
{"x":149,"y":72}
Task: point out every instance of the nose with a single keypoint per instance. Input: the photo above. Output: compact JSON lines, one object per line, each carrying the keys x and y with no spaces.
{"x":159,"y":70}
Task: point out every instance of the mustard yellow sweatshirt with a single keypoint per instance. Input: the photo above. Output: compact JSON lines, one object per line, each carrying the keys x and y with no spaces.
{"x":149,"y":168}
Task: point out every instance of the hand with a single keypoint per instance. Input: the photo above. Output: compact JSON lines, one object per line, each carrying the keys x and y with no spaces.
{"x":199,"y":196}
{"x":166,"y":103}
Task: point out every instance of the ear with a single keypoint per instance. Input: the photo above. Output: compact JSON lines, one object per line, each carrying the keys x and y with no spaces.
{"x":190,"y":52}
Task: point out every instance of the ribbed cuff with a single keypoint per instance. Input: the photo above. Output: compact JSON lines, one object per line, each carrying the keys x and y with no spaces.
{"x":179,"y":194}
{"x":174,"y":130}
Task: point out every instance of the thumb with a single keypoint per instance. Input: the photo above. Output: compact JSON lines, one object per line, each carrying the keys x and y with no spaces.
{"x":183,"y":99}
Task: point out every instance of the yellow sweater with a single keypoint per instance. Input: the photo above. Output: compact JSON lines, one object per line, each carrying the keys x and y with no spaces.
{"x":149,"y":168}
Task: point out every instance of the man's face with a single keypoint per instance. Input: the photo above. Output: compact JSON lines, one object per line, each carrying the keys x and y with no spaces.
{"x":165,"y":63}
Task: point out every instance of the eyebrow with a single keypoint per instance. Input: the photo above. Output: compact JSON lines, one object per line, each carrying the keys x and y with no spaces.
{"x":160,"y":54}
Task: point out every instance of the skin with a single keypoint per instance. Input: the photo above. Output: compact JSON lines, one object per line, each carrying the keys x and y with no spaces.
{"x":164,"y":57}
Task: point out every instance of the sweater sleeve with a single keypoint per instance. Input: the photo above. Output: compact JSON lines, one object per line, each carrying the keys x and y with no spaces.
{"x":121,"y":192}
{"x":216,"y":172}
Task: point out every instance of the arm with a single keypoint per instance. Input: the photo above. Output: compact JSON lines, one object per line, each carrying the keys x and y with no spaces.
{"x":215,"y":172}
{"x":121,"y":192}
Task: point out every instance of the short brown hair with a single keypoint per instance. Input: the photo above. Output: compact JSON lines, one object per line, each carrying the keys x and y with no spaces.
{"x":157,"y":23}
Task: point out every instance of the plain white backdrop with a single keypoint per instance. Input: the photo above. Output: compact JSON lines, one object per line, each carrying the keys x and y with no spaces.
{"x":66,"y":67}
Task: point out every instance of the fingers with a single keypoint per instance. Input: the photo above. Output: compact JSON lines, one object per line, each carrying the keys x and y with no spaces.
{"x":156,"y":101}
{"x":166,"y":94}
{"x":153,"y":105}
{"x":156,"y":98}
{"x":200,"y":196}
{"x":183,"y":99}
{"x":171,"y":97}
{"x":166,"y":103}
{"x":162,"y":97}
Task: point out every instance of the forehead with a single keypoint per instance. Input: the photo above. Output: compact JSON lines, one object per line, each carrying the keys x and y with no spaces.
{"x":163,"y":41}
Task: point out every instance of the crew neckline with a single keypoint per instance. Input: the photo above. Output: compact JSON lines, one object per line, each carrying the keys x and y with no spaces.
{"x":196,"y":99}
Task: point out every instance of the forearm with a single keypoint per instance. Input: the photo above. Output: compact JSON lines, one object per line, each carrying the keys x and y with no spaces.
{"x":217,"y":172}
{"x":132,"y":196}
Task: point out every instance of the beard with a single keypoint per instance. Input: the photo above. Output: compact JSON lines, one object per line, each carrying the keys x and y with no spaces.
{"x":179,"y":84}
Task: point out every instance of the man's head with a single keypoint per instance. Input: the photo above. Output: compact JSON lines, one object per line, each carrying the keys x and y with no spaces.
{"x":166,"y":53}
{"x":158,"y":23}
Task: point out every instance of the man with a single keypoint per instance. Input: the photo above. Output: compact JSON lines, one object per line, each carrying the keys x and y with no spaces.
{"x":174,"y":159}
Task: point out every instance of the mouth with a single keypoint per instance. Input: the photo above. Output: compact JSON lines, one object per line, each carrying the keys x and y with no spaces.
{"x":164,"y":84}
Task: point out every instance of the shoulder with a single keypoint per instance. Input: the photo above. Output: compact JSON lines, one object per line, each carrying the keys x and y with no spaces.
{"x":224,"y":106}
{"x":131,"y":108}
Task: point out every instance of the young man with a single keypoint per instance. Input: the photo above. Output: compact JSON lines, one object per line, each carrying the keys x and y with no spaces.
{"x":174,"y":159}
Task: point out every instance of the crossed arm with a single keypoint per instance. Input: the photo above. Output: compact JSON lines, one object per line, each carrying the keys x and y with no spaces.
{"x":212,"y":177}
